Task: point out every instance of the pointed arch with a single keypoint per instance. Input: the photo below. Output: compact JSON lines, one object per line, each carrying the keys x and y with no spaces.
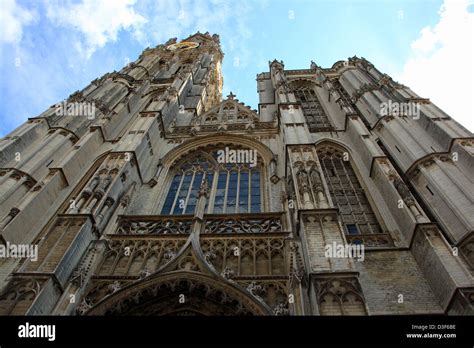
{"x":188,"y":282}
{"x":201,"y":295}
{"x":237,"y":187}
{"x":303,"y":81}
{"x":340,"y":296}
{"x":219,"y":140}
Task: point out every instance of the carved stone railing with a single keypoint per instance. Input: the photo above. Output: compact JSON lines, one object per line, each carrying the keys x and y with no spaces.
{"x":243,"y":223}
{"x":155,"y":225}
{"x":212,"y":224}
{"x":375,"y":240}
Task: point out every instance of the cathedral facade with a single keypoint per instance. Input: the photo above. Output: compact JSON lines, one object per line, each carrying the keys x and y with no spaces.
{"x":147,"y":193}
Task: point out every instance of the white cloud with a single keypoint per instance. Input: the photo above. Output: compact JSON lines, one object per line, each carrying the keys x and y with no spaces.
{"x":441,"y":66}
{"x":12,"y":18}
{"x":98,"y":21}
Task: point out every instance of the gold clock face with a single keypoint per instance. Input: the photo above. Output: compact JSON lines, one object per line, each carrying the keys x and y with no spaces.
{"x":183,"y":45}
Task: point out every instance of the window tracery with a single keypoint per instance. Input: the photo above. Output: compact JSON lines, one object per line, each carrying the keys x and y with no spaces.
{"x":233,"y":187}
{"x":316,"y":118}
{"x":347,"y":193}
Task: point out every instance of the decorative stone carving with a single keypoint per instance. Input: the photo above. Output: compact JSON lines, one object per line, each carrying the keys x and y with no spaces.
{"x":83,"y":307}
{"x":202,"y":295}
{"x":203,"y":189}
{"x":408,"y":198}
{"x":365,"y":88}
{"x":290,"y":188}
{"x":297,"y":271}
{"x":318,"y":187}
{"x":209,"y":255}
{"x":125,"y":200}
{"x":228,"y":273}
{"x":18,"y":295}
{"x":404,"y":191}
{"x":144,"y":273}
{"x":115,"y":286}
{"x":78,"y":276}
{"x":266,"y":223}
{"x":281,"y":309}
{"x":155,"y":226}
{"x":255,"y":289}
{"x":340,"y":295}
{"x":169,"y":255}
{"x":303,"y":183}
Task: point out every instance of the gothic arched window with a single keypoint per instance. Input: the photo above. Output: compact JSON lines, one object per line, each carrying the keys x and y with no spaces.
{"x":233,"y":187}
{"x":346,"y":192}
{"x":229,"y":111}
{"x":313,"y":111}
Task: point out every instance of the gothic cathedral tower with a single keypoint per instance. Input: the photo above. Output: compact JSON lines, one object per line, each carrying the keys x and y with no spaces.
{"x":145,"y":193}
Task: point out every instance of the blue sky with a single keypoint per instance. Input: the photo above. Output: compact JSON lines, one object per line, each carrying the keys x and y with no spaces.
{"x":49,"y":49}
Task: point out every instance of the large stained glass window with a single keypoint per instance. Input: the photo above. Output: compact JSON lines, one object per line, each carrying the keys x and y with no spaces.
{"x":233,"y":187}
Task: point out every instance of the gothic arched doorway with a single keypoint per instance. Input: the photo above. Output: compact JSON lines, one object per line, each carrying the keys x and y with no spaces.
{"x":180,"y":293}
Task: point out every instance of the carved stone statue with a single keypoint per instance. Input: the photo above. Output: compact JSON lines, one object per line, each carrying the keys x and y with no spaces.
{"x":303,"y":181}
{"x":316,"y":179}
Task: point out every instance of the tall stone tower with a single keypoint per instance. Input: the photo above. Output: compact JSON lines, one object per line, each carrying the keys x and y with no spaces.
{"x":147,"y":194}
